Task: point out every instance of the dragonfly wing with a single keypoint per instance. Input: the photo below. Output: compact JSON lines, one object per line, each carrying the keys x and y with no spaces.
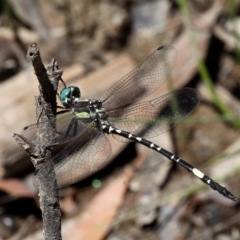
{"x":66,"y":128}
{"x":143,"y":80}
{"x":150,"y":119}
{"x":30,"y":132}
{"x":81,"y":157}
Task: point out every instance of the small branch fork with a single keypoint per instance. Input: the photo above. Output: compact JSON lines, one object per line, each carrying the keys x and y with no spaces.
{"x":39,"y":152}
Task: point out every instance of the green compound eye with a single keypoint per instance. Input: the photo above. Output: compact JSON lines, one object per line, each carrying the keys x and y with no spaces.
{"x":68,"y":95}
{"x":65,"y":95}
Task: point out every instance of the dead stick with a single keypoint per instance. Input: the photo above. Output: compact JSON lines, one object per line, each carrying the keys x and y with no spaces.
{"x":39,"y":151}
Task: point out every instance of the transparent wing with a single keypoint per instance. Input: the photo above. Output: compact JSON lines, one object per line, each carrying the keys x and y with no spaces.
{"x":81,"y":157}
{"x":143,"y":80}
{"x":68,"y":127}
{"x":150,"y":119}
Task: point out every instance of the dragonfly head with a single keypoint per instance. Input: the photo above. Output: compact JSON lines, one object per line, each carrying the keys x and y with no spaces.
{"x":68,"y":95}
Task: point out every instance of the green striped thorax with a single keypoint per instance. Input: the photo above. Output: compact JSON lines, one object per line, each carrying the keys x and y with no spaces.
{"x":86,"y":110}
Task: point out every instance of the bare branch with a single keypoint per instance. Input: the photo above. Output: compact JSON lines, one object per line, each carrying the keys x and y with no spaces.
{"x":39,"y":151}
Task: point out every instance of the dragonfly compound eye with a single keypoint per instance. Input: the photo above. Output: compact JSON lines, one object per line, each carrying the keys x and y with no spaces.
{"x":65,"y":97}
{"x":68,"y":95}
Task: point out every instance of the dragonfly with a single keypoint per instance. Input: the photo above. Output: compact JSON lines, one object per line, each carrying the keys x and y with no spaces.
{"x":84,"y":123}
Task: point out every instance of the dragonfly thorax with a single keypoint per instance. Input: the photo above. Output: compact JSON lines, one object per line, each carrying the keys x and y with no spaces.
{"x":89,"y":110}
{"x":86,"y":110}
